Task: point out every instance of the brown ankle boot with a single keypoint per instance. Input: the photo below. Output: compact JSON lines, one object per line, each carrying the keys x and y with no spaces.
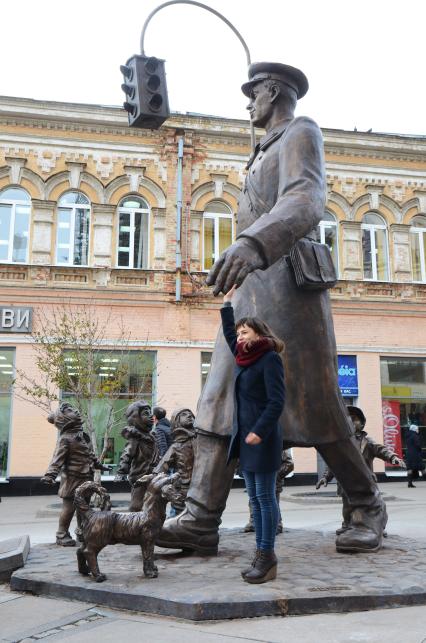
{"x":265,"y":568}
{"x":253,"y":563}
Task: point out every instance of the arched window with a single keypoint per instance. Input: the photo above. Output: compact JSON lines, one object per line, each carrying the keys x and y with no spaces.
{"x":374,"y":248}
{"x":327,"y":233}
{"x":133,"y":233}
{"x":15,"y":209}
{"x":418,"y":247}
{"x":72,"y":238}
{"x":218,"y":231}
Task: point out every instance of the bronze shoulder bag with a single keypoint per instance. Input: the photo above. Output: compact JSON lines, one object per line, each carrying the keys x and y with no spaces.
{"x":312,"y":265}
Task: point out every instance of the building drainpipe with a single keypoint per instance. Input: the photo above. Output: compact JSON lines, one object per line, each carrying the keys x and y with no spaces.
{"x":179,"y":219}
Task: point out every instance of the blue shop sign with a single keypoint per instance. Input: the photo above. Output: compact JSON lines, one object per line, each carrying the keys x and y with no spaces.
{"x":348,"y":375}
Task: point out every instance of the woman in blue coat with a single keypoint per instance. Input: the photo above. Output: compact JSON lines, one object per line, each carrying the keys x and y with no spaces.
{"x":256,"y":435}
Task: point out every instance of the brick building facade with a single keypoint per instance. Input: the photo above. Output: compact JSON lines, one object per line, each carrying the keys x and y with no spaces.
{"x":88,"y":216}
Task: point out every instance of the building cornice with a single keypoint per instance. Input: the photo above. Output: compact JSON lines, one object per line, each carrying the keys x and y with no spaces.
{"x":103,"y":119}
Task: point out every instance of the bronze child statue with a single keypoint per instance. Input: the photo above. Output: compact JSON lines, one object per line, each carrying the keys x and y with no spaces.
{"x":140,"y":455}
{"x":287,"y":466}
{"x":180,"y":455}
{"x":102,"y":528}
{"x":369,"y":450}
{"x":75,"y":460}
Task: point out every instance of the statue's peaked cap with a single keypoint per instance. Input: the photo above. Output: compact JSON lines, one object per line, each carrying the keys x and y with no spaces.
{"x":288,"y":75}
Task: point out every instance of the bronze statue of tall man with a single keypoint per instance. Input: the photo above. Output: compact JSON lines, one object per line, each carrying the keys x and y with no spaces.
{"x":283,"y":200}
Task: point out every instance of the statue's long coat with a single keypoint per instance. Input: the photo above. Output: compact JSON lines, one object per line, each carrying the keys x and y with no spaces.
{"x":282,"y":201}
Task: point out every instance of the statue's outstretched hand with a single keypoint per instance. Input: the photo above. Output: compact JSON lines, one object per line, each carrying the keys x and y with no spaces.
{"x":321,"y":482}
{"x":47,"y":480}
{"x":119,"y":477}
{"x":399,"y":462}
{"x":234,"y":265}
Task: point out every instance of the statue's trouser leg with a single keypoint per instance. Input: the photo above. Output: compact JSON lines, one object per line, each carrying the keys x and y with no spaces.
{"x":197,"y":528}
{"x":365,"y":504}
{"x":65,"y":518}
{"x":137,"y":497}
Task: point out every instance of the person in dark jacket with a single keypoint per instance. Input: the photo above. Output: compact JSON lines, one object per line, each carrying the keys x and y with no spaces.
{"x":75,"y":459}
{"x":414,"y":455}
{"x":163,"y":431}
{"x":256,"y":433}
{"x":140,"y":455}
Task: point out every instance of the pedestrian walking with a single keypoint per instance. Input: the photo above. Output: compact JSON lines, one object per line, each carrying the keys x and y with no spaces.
{"x":414,"y":458}
{"x":163,"y":431}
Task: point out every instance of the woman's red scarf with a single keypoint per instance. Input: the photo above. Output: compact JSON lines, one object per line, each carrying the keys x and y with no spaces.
{"x":248,"y":354}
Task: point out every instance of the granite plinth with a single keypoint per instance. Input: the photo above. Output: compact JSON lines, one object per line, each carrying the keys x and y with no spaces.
{"x":13,"y":554}
{"x":312,"y":578}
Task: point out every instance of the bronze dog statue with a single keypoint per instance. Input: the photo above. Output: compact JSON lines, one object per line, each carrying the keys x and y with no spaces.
{"x":106,"y":527}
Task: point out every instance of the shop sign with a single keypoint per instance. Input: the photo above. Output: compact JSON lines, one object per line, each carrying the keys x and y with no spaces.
{"x":348,"y":375}
{"x":392,"y":426}
{"x":396,"y":391}
{"x":15,"y":319}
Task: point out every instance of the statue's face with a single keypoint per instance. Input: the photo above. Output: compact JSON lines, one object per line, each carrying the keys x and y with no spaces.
{"x":66,"y":417}
{"x":141,"y":418}
{"x":186,"y":419}
{"x":356,"y":423}
{"x":260,"y":105}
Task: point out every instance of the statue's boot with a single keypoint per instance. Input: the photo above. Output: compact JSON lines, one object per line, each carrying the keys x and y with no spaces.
{"x":367,"y":509}
{"x":197,"y":528}
{"x":63,"y":537}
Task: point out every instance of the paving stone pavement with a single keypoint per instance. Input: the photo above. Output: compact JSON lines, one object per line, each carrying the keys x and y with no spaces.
{"x":312,"y":578}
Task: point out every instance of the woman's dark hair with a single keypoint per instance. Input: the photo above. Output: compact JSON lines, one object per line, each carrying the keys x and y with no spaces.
{"x":261,"y":329}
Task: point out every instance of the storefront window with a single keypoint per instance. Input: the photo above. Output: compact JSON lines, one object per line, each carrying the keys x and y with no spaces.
{"x":403,"y":400}
{"x":138,"y":382}
{"x":6,"y":379}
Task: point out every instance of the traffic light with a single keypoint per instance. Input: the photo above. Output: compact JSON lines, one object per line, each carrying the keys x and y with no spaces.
{"x":147,"y":103}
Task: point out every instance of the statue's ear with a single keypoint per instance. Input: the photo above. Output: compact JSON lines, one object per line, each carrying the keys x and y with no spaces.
{"x":275,"y":91}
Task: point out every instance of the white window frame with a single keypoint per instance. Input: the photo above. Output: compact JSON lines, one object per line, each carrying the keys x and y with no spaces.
{"x":132,"y":212}
{"x":421,"y":232}
{"x":326,"y":223}
{"x":217,"y":216}
{"x":70,"y":246}
{"x":13,"y":203}
{"x":371,"y":228}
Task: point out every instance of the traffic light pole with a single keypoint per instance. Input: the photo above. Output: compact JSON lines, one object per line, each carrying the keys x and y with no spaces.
{"x":216,"y":13}
{"x":143,"y":118}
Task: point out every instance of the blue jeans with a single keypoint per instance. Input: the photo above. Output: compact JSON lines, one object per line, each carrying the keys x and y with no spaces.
{"x":261,"y":491}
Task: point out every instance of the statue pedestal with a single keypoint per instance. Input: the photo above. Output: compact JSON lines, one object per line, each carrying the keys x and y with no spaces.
{"x":312,"y":578}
